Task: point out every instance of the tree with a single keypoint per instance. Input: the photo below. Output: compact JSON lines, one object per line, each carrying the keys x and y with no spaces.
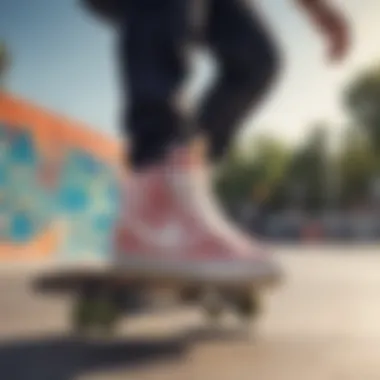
{"x":357,"y":164}
{"x":306,"y":180}
{"x":255,"y":176}
{"x":4,"y":62}
{"x":363,"y":99}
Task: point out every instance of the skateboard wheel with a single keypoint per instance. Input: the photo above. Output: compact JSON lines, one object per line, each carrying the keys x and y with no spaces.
{"x":84,"y":311}
{"x":213,"y":304}
{"x":97,"y":311}
{"x":248,"y":305}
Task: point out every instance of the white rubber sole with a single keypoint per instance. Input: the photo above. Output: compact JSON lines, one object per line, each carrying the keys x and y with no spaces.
{"x":167,"y":273}
{"x":225,"y":272}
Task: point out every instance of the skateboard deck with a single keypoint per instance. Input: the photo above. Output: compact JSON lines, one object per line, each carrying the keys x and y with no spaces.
{"x":103,"y":295}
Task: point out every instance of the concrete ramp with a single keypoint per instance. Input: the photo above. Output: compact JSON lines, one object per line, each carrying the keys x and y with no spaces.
{"x":323,"y":324}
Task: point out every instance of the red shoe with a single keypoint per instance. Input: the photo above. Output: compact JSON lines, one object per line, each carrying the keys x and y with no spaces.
{"x":171,"y":226}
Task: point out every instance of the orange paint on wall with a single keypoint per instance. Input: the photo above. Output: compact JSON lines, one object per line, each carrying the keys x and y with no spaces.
{"x":40,"y":248}
{"x":54,"y":131}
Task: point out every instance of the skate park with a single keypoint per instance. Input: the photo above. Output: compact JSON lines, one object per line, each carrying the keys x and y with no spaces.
{"x":316,"y":209}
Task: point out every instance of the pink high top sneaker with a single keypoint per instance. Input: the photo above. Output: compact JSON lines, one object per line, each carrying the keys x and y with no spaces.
{"x":171,"y":227}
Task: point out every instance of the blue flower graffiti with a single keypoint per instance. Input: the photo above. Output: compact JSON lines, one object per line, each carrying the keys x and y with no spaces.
{"x":85,"y":196}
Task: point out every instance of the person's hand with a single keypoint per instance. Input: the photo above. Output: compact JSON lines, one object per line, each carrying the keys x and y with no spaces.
{"x":333,"y":25}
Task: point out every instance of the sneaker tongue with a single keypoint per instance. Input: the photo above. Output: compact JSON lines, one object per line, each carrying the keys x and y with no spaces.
{"x":190,"y":178}
{"x":192,"y":155}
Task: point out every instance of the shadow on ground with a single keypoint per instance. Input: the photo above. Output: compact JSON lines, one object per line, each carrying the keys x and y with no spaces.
{"x":65,"y":358}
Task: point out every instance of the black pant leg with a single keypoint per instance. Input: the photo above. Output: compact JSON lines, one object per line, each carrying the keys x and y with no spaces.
{"x":154,"y":63}
{"x":248,"y":60}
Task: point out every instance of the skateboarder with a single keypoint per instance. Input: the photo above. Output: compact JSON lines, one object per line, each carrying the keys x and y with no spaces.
{"x":170,"y":222}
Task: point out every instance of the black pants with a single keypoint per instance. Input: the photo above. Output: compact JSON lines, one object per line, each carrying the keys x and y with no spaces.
{"x":155,"y":36}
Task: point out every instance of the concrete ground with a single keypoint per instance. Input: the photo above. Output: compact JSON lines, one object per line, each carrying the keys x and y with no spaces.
{"x":323,"y":324}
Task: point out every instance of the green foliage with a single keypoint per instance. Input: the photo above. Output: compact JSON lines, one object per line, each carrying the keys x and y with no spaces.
{"x":309,"y":169}
{"x":256,"y":175}
{"x":4,"y":61}
{"x":363,"y":99}
{"x":307,"y":176}
{"x":357,"y":164}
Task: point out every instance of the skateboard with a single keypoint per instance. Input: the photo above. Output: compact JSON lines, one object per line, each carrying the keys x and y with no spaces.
{"x":58,"y":205}
{"x":102,"y":296}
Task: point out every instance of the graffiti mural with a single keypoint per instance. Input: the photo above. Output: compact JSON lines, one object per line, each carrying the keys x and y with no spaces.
{"x":58,"y":196}
{"x":87,"y":201}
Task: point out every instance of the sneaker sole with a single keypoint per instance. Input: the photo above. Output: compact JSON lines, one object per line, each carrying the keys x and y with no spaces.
{"x":165,"y":274}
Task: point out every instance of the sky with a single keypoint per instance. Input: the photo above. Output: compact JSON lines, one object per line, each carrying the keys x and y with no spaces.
{"x":66,"y":61}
